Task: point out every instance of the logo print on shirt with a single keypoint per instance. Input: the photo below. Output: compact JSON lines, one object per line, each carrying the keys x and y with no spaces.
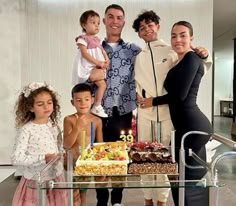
{"x":126,"y":98}
{"x":125,"y":62}
{"x":124,"y":79}
{"x":115,"y":91}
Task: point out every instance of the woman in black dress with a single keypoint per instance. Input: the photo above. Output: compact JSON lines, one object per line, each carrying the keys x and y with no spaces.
{"x":182,"y":84}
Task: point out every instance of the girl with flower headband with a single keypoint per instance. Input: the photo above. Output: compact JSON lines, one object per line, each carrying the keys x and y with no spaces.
{"x":38,"y":141}
{"x":91,"y":57}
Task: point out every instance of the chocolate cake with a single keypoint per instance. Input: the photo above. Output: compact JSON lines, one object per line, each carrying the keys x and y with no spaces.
{"x":150,"y":158}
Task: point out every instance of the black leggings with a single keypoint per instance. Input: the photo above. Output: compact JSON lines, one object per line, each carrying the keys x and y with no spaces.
{"x":193,"y":196}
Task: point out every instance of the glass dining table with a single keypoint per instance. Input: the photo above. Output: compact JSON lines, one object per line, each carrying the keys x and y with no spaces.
{"x":45,"y":180}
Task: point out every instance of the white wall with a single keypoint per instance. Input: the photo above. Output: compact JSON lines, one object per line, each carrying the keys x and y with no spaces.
{"x":10,"y":76}
{"x":224,"y":63}
{"x":39,"y":40}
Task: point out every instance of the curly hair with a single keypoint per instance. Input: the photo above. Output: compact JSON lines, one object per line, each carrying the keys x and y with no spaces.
{"x":24,"y":105}
{"x":147,"y":16}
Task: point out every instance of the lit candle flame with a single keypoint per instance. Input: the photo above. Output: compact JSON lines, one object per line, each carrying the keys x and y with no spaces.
{"x":123,"y":136}
{"x":130,"y":137}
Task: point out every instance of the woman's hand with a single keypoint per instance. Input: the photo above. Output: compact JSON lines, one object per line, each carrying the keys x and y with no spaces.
{"x":144,"y":102}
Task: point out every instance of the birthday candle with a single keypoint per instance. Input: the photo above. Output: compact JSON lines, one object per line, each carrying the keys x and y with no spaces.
{"x":83,"y":141}
{"x":173,"y":145}
{"x":158,"y":132}
{"x":130,"y":137}
{"x":92,"y":136}
{"x":122,"y":135}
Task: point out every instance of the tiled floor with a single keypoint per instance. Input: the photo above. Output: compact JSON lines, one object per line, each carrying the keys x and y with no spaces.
{"x":134,"y":197}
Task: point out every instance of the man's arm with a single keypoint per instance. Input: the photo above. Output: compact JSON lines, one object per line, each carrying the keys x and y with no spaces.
{"x":207,"y":63}
{"x":204,"y":54}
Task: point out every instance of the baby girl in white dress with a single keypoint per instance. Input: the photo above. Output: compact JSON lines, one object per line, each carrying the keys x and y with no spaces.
{"x":91,"y":56}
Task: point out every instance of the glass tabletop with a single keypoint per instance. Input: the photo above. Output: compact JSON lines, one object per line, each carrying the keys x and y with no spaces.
{"x":219,"y":172}
{"x":47,"y":179}
{"x":125,"y":181}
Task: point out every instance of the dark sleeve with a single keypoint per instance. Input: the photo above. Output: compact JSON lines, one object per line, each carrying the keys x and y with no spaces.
{"x":189,"y":67}
{"x":160,"y":100}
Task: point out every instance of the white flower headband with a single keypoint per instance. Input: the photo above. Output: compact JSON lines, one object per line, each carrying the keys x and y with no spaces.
{"x":33,"y":86}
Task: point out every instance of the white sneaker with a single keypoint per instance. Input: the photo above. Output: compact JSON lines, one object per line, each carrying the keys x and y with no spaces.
{"x":118,"y":204}
{"x":99,"y":111}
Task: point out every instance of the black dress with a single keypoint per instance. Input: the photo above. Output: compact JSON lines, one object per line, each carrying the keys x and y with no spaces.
{"x":182,"y":84}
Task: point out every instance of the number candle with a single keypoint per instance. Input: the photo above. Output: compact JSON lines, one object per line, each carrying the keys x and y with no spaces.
{"x":130,"y":137}
{"x":123,"y":136}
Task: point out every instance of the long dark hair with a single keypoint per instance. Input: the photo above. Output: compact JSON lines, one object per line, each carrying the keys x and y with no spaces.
{"x":186,"y":24}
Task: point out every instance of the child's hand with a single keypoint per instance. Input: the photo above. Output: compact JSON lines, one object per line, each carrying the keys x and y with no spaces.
{"x":49,"y":157}
{"x":81,"y":121}
{"x":100,"y":64}
{"x":103,"y":65}
{"x":106,"y":65}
